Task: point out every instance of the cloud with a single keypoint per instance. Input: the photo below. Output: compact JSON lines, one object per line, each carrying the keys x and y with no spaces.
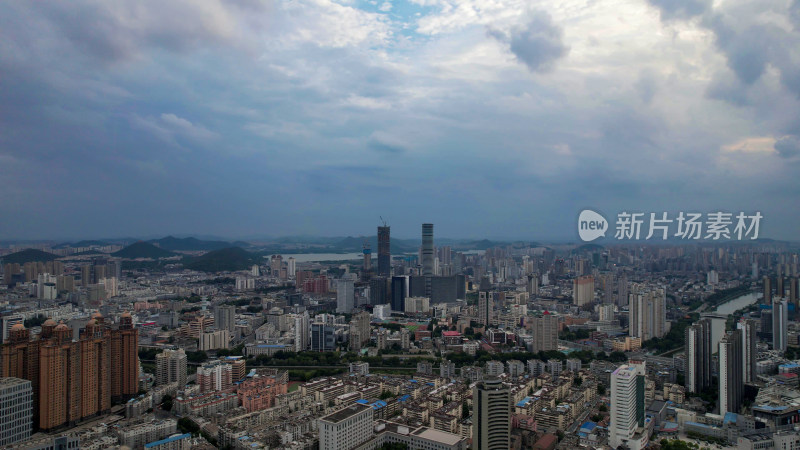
{"x":537,"y":44}
{"x":788,"y":146}
{"x":170,"y":128}
{"x":681,"y":9}
{"x":751,"y":145}
{"x":385,"y":7}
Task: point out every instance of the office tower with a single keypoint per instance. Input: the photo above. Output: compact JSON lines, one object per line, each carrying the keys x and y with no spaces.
{"x":779,"y":290}
{"x":793,"y":291}
{"x":698,"y":356}
{"x":323,"y":338}
{"x":384,"y":252}
{"x":347,"y":428}
{"x":606,"y":312}
{"x":583,"y":290}
{"x":767,"y":291}
{"x":485,"y":307}
{"x":491,"y":420}
{"x":627,"y":407}
{"x":302,"y":332}
{"x":780,"y":324}
{"x":545,"y":332}
{"x":731,"y":386}
{"x":648,"y":312}
{"x":379,"y":289}
{"x":345,"y":295}
{"x":99,"y":272}
{"x":16,"y":410}
{"x":225,"y":317}
{"x":749,"y":353}
{"x":399,"y":293}
{"x":427,"y":255}
{"x":171,"y":367}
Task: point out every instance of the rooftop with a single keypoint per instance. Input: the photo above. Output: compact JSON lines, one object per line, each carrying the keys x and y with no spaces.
{"x":346,"y":413}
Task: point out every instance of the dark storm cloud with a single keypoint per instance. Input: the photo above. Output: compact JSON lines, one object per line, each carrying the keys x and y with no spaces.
{"x":537,"y":44}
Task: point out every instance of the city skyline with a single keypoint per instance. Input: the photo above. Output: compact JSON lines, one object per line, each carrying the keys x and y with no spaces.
{"x":314,"y":116}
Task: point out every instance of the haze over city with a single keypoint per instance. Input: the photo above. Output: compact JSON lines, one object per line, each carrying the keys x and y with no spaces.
{"x":491,"y":119}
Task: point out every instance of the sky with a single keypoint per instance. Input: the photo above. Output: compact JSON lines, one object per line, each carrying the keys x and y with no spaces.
{"x":488,"y":118}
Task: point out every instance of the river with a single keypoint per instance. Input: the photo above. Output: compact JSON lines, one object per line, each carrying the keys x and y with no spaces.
{"x":728,"y":308}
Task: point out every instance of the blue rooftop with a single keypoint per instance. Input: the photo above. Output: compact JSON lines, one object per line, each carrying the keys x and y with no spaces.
{"x":403,"y":398}
{"x":730,"y":417}
{"x":168,"y":440}
{"x":524,"y":402}
{"x":588,"y":426}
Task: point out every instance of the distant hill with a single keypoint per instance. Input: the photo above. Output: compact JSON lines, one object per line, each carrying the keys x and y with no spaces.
{"x":223,"y":260}
{"x":588,"y":248}
{"x":143,"y":249}
{"x":28,"y":255}
{"x":189,"y":244}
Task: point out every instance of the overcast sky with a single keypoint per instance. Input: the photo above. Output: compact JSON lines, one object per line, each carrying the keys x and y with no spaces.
{"x":489,"y":118}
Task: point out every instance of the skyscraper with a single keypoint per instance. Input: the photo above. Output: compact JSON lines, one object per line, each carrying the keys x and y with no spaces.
{"x":485,"y":307}
{"x":648,"y":312}
{"x":627,"y":407}
{"x":583,"y":290}
{"x":780,"y":324}
{"x":491,"y":421}
{"x":302,"y":332}
{"x":384,"y":252}
{"x":748,"y":329}
{"x":698,"y":356}
{"x":16,"y":410}
{"x":427,"y":256}
{"x":399,"y":293}
{"x":171,"y":367}
{"x":731,"y":371}
{"x":225,"y":317}
{"x":74,"y":379}
{"x":545,"y":332}
{"x":345,"y":295}
{"x":767,"y":299}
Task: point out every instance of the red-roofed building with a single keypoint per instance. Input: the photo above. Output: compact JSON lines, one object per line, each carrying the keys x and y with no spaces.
{"x":452,"y":337}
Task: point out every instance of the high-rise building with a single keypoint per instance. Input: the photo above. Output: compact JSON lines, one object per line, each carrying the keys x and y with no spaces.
{"x":731,"y":386}
{"x":545,"y":332}
{"x":6,"y":322}
{"x":359,"y":330}
{"x":384,"y":252}
{"x":749,"y":353}
{"x":345,"y":295}
{"x":583,"y":290}
{"x":698,"y":356}
{"x":399,"y":293}
{"x":225,"y":317}
{"x":347,"y":428}
{"x":302,"y":332}
{"x":16,"y":410}
{"x":780,"y":324}
{"x":171,"y":367}
{"x":215,"y":376}
{"x":74,"y":379}
{"x":323,"y":338}
{"x":485,"y":307}
{"x":767,"y":290}
{"x":628,"y":407}
{"x":366,"y":267}
{"x":291,"y":266}
{"x":648,"y":312}
{"x":427,"y":256}
{"x":491,"y":420}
